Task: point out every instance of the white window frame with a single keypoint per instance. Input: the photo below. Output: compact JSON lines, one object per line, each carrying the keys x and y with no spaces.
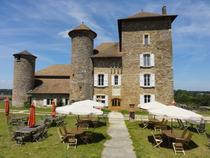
{"x":149,"y":41}
{"x":101,"y":80}
{"x":113,"y":80}
{"x":143,"y":99}
{"x":97,"y":80}
{"x":98,"y":99}
{"x":142,"y":59}
{"x":151,"y":80}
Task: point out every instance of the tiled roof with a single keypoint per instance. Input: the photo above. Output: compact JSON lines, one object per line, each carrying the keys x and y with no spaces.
{"x":55,"y":70}
{"x":26,"y":53}
{"x":109,"y":49}
{"x":51,"y":86}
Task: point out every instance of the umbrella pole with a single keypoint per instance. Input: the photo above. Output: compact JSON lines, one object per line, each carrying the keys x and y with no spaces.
{"x":171,"y":124}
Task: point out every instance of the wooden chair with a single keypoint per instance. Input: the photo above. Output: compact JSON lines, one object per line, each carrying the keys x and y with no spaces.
{"x":71,"y":140}
{"x":201,"y":128}
{"x":178,"y":148}
{"x":157,"y":138}
{"x":61,"y":134}
{"x":186,"y":139}
{"x":161,"y":126}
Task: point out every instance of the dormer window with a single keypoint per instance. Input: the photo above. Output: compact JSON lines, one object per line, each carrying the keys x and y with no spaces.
{"x":17,"y":58}
{"x":146,"y":39}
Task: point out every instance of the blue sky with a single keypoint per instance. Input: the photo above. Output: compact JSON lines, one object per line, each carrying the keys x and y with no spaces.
{"x":40,"y":26}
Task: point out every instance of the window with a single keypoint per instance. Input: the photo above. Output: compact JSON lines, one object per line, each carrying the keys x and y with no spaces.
{"x":102,"y":99}
{"x":147,"y":98}
{"x":101,"y":79}
{"x":17,"y":58}
{"x":147,"y":60}
{"x":49,"y":101}
{"x":147,"y":80}
{"x":146,"y":40}
{"x":116,"y":102}
{"x":66,"y":101}
{"x":116,"y":80}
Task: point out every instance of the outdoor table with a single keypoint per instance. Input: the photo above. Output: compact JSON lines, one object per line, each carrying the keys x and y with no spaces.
{"x":28,"y":130}
{"x":77,"y":131}
{"x":172,"y":134}
{"x":18,"y":119}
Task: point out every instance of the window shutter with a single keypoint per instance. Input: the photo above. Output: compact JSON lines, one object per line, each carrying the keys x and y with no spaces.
{"x":149,"y":42}
{"x":94,"y":97}
{"x":64,"y":101}
{"x":95,"y":79}
{"x":112,"y":80}
{"x":141,"y":79}
{"x":152,"y":97}
{"x":141,"y":59}
{"x":152,"y":80}
{"x":105,"y":79}
{"x":152,"y":60}
{"x":45,"y":102}
{"x":141,"y":99}
{"x":119,"y":80}
{"x":106,"y":100}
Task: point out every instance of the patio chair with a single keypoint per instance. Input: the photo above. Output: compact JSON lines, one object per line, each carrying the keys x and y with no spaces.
{"x":208,"y":137}
{"x":61,"y":134}
{"x":201,"y":127}
{"x":144,"y":123}
{"x":71,"y":140}
{"x":157,"y":138}
{"x":182,"y":125}
{"x":178,"y":148}
{"x":161,"y":126}
{"x":186,"y":139}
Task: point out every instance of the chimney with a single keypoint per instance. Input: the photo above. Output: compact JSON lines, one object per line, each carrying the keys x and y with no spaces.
{"x":164,"y":10}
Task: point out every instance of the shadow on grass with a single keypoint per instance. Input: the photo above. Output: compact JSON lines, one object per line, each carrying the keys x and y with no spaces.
{"x":167,"y":143}
{"x":92,"y":138}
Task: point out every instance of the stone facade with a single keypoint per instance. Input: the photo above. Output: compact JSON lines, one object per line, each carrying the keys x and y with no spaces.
{"x":24,"y":68}
{"x":160,"y":46}
{"x":111,"y":73}
{"x":81,"y":81}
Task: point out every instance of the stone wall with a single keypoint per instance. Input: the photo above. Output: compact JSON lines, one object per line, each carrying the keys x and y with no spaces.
{"x":81,"y":82}
{"x":23,"y":81}
{"x":161,"y":47}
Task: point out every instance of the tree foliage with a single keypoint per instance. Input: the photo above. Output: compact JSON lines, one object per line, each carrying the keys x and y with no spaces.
{"x":192,"y":98}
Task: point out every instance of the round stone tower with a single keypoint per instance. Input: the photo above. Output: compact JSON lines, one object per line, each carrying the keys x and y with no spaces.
{"x":81,"y":80}
{"x":24,"y":68}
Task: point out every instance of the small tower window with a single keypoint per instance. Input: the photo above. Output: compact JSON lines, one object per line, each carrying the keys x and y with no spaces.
{"x":17,"y":58}
{"x":146,"y":39}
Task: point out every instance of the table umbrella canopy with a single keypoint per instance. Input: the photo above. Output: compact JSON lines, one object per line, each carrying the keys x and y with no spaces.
{"x":53,"y":114}
{"x":6,"y":106}
{"x":79,"y":108}
{"x":176,"y":113}
{"x":32,"y":120}
{"x":151,"y":105}
{"x":92,"y":103}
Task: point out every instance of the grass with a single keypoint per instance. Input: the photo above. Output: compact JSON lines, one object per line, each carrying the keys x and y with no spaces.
{"x":50,"y":147}
{"x":137,"y":112}
{"x":145,"y":149}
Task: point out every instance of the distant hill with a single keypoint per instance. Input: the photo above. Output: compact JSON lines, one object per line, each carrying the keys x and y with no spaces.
{"x":5,"y":91}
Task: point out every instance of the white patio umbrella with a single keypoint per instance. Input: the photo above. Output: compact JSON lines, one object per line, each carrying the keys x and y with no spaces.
{"x":174,"y":112}
{"x":79,"y":109}
{"x":151,"y":105}
{"x":92,"y":103}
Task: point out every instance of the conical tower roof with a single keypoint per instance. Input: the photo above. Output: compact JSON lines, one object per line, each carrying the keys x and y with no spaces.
{"x":82,"y":28}
{"x":24,"y":53}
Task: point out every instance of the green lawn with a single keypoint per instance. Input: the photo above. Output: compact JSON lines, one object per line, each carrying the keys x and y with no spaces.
{"x":50,"y":147}
{"x":145,"y":149}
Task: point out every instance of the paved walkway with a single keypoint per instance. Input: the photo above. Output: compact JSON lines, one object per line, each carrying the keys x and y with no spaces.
{"x":120,"y":145}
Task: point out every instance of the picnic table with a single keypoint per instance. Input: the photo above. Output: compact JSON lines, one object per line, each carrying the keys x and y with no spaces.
{"x":172,"y":135}
{"x":58,"y":120}
{"x":16,"y":120}
{"x":26,"y":133}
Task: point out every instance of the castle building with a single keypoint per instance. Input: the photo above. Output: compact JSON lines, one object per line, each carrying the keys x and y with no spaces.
{"x":137,"y":69}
